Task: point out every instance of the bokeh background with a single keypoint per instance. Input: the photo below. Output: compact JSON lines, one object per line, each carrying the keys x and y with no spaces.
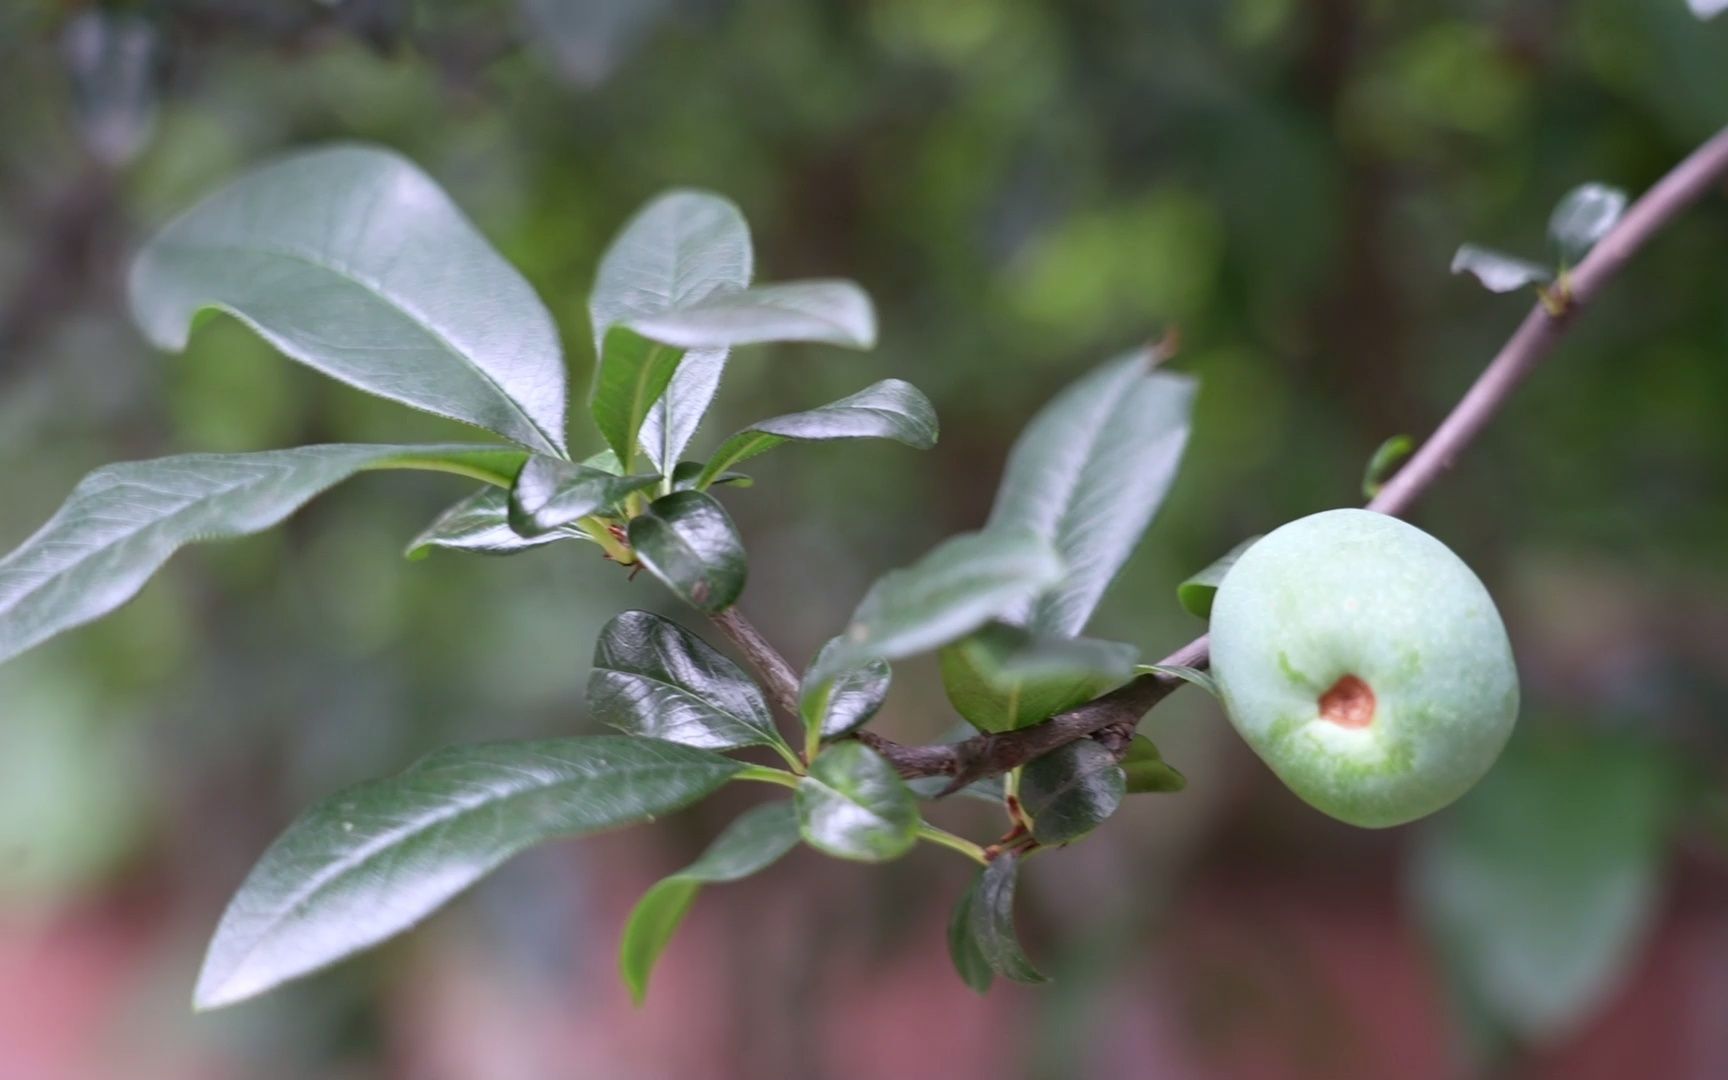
{"x":1026,"y":187}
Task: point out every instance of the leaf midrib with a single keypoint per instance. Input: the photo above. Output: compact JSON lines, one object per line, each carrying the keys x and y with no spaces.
{"x":330,"y":876}
{"x":412,"y":314}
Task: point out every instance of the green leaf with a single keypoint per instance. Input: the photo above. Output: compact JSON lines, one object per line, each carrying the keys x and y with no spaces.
{"x":1191,"y":675}
{"x":653,"y":677}
{"x":1071,"y":791}
{"x":1583,"y":217}
{"x":685,"y":474}
{"x":633,"y":374}
{"x":853,"y":805}
{"x":371,"y":861}
{"x":1088,"y":475}
{"x":673,"y":420}
{"x":550,"y":493}
{"x":890,"y":409}
{"x":1497,"y":271}
{"x":987,"y":790}
{"x":480,"y":523}
{"x":1708,"y":9}
{"x":1195,"y":595}
{"x":122,"y":522}
{"x":1387,"y":457}
{"x":1147,"y":772}
{"x":960,"y":585}
{"x":827,"y":311}
{"x":686,"y":540}
{"x":993,"y":921}
{"x":351,"y":260}
{"x":845,"y":702}
{"x":676,"y":251}
{"x":759,"y":837}
{"x":1540,"y":885}
{"x":679,"y":249}
{"x":1003,"y":677}
{"x":968,"y":959}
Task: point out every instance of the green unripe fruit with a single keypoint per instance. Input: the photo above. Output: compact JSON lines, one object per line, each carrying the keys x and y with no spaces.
{"x":1366,"y":664}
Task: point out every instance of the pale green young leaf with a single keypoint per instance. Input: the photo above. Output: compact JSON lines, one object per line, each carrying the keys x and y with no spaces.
{"x":1195,"y":594}
{"x":1146,"y":771}
{"x":1497,"y":271}
{"x":1584,"y":216}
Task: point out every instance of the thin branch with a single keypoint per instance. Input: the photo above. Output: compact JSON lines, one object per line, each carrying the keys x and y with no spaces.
{"x":990,"y":754}
{"x":778,"y":677}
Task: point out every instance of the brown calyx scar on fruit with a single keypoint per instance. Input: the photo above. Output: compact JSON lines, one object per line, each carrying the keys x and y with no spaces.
{"x":1350,"y":703}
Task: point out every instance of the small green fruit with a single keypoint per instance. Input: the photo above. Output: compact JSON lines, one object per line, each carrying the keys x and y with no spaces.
{"x":1366,"y":664}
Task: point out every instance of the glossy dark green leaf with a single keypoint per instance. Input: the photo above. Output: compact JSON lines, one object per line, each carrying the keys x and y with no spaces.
{"x":371,"y":861}
{"x":1583,"y":217}
{"x":679,"y":249}
{"x":827,"y":311}
{"x":122,"y":522}
{"x":351,"y":260}
{"x":993,"y":921}
{"x":1195,"y":595}
{"x":960,"y":585}
{"x":653,"y":677}
{"x":837,"y":704}
{"x":753,"y":842}
{"x":1001,"y":677}
{"x":968,"y":959}
{"x":1088,"y":474}
{"x":853,"y":805}
{"x":1539,"y":886}
{"x":1498,"y":271}
{"x":1384,"y":462}
{"x":687,"y":541}
{"x":1147,"y":772}
{"x":1071,"y":791}
{"x":890,"y":409}
{"x":480,"y":523}
{"x":929,"y":787}
{"x":550,"y":493}
{"x":686,"y":473}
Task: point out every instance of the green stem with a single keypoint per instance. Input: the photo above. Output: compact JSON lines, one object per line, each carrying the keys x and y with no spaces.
{"x":789,"y":756}
{"x":764,"y":775}
{"x":927,"y":831}
{"x":596,"y":530}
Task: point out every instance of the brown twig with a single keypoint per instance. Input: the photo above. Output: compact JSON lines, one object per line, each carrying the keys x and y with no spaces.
{"x":991,"y":754}
{"x":778,"y":677}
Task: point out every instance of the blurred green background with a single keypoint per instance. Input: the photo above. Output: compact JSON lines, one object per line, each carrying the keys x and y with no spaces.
{"x":1026,"y":187}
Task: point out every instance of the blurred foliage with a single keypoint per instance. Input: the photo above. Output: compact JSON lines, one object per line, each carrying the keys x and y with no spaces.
{"x":1026,"y":187}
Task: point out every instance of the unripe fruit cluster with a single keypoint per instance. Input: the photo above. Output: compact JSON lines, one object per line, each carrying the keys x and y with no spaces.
{"x":1366,"y":664}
